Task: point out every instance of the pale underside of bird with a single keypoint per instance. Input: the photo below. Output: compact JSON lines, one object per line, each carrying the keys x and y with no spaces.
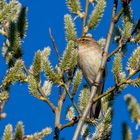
{"x":89,"y":61}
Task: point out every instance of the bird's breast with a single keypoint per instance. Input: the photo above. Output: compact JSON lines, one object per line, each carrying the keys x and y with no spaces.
{"x":89,"y":60}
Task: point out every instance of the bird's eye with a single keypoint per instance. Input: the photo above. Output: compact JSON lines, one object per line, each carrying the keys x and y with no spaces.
{"x":83,"y":39}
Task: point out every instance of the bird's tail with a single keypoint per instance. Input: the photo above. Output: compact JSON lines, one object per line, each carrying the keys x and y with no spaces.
{"x":95,"y":109}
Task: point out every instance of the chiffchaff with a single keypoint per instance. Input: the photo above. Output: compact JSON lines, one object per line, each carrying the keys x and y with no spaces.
{"x":89,"y":61}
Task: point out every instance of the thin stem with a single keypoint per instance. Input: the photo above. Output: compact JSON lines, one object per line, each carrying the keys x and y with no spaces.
{"x":99,"y":75}
{"x":115,"y":86}
{"x":117,"y":17}
{"x":85,"y":16}
{"x":58,"y":111}
{"x":71,"y":98}
{"x":69,"y":124}
{"x":54,"y":44}
{"x":116,"y":50}
{"x":52,"y":106}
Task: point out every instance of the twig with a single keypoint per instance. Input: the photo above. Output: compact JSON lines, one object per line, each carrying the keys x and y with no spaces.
{"x":99,"y":75}
{"x":116,"y":50}
{"x":70,"y":123}
{"x":114,"y":87}
{"x":85,"y":17}
{"x":75,"y":120}
{"x":58,"y":111}
{"x":54,"y":44}
{"x":42,"y":97}
{"x":117,"y":17}
{"x":71,"y":98}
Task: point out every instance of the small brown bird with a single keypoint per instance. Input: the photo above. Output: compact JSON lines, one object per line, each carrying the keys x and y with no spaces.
{"x":89,"y":60}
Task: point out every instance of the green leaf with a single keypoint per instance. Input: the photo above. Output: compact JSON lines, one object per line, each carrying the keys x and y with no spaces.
{"x":33,"y":87}
{"x":39,"y":135}
{"x":74,"y":6}
{"x":47,"y":86}
{"x":52,"y":76}
{"x":83,"y":98}
{"x":69,"y":58}
{"x":70,"y":113}
{"x":37,"y":66}
{"x":135,"y":82}
{"x":9,"y":13}
{"x":85,"y":131}
{"x":22,"y":22}
{"x":7,"y":135}
{"x":14,"y":41}
{"x":127,"y":22}
{"x":19,"y":134}
{"x":133,"y":63}
{"x":4,"y":95}
{"x":73,"y":59}
{"x":76,"y":81}
{"x":97,"y":14}
{"x":103,"y":129}
{"x":126,"y":133}
{"x":70,"y":30}
{"x":119,"y":75}
{"x":14,"y":74}
{"x":133,"y":107}
{"x":2,"y":4}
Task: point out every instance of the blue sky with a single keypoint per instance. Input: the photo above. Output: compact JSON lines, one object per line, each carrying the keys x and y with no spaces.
{"x":35,"y":114}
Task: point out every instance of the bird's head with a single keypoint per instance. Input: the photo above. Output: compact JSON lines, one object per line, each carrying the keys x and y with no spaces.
{"x":86,"y":40}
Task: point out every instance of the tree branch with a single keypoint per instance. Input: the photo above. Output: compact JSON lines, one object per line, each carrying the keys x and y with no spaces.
{"x":99,"y":75}
{"x":71,"y":98}
{"x":54,"y":44}
{"x":117,"y":49}
{"x":85,"y":17}
{"x":116,"y":86}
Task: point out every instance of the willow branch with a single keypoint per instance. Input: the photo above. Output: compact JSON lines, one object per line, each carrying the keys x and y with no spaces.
{"x":85,"y":16}
{"x":42,"y":97}
{"x":54,"y":44}
{"x":112,"y":89}
{"x":69,"y":124}
{"x":73,"y":122}
{"x":117,"y":17}
{"x":116,"y":50}
{"x":71,"y":98}
{"x":99,"y":75}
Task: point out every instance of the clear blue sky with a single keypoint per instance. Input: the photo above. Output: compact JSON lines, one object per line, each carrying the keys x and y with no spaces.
{"x":35,"y":114}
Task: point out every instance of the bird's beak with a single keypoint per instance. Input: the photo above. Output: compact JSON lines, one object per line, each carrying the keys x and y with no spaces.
{"x":76,"y":40}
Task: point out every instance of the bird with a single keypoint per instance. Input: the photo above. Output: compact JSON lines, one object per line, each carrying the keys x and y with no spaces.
{"x":89,"y":61}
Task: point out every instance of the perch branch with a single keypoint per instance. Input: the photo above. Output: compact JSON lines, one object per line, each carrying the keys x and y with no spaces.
{"x":116,"y":86}
{"x":94,"y":87}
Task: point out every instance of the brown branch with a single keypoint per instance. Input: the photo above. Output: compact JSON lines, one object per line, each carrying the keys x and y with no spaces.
{"x":112,"y":89}
{"x":72,"y":100}
{"x":58,"y":111}
{"x":117,"y":49}
{"x":70,"y":123}
{"x":85,"y":17}
{"x":117,"y":17}
{"x":75,"y":120}
{"x":99,"y":75}
{"x":54,"y":44}
{"x":42,"y":97}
